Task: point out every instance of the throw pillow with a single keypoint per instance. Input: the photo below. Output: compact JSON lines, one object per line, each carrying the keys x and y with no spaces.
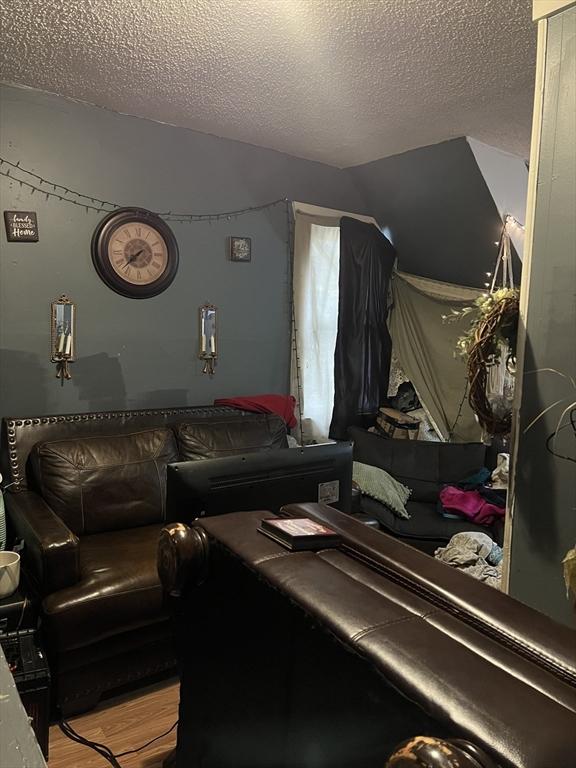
{"x":379,"y":485}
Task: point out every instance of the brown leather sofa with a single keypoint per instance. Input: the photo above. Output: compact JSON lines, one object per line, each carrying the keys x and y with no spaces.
{"x":88,"y":499}
{"x":330,"y":659}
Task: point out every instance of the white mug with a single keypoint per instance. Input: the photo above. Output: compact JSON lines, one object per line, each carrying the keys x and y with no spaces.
{"x":9,"y":573}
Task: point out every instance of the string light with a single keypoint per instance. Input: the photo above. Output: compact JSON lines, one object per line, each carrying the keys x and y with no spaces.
{"x":290,"y":276}
{"x":33,"y":188}
{"x":42,"y":180}
{"x":509,"y":219}
{"x":106,"y":206}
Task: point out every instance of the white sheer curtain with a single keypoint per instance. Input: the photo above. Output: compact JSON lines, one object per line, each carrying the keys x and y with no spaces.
{"x":316,"y":268}
{"x":315,"y":287}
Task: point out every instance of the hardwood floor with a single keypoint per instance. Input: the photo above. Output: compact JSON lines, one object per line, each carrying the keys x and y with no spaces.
{"x":123,"y":723}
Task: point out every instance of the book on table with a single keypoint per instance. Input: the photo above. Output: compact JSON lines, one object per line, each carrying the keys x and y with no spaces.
{"x":299,"y":533}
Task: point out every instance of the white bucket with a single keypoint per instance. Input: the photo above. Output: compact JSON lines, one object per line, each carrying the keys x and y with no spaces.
{"x":9,"y":573}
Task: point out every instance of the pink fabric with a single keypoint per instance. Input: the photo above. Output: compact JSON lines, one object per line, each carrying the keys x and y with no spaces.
{"x":282,"y":405}
{"x":470,"y":504}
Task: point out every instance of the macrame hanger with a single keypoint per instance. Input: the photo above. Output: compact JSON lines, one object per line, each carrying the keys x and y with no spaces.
{"x":499,"y":377}
{"x":504,"y":260}
{"x":508,"y":258}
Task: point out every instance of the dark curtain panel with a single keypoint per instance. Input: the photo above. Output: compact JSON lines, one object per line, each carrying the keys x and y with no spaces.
{"x":363,"y":345}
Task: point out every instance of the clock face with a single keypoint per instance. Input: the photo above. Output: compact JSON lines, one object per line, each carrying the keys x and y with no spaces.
{"x":135,"y":253}
{"x":138,"y":253}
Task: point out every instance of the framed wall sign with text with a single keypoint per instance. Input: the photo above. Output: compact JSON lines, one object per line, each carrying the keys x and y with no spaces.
{"x":21,"y":226}
{"x":240,"y":249}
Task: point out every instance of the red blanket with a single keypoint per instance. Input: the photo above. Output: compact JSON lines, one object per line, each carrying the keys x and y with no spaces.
{"x":282,"y":405}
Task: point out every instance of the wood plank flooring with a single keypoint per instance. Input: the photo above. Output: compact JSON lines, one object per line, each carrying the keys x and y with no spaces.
{"x":123,"y":723}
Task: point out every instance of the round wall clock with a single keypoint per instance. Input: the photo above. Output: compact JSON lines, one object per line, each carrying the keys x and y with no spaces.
{"x":135,"y":253}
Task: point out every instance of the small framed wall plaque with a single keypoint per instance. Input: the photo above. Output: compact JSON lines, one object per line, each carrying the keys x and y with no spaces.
{"x":240,"y":249}
{"x":21,"y":226}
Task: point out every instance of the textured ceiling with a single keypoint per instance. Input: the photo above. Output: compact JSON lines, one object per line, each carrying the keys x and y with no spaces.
{"x":340,"y":81}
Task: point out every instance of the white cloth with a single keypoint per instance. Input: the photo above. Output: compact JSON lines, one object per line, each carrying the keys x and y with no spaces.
{"x":468,"y":552}
{"x":396,"y":377}
{"x":500,"y":474}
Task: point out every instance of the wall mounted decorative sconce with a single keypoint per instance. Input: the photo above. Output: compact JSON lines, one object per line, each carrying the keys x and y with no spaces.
{"x":63,"y":336}
{"x":208,"y":347}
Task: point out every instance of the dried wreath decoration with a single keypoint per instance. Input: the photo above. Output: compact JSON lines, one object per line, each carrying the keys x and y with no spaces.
{"x":495,"y":324}
{"x":493,"y":333}
{"x":493,"y":330}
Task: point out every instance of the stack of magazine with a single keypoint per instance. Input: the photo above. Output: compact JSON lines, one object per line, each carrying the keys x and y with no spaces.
{"x":299,"y":533}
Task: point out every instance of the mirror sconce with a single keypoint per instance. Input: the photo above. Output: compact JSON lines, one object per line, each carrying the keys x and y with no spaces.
{"x":208,"y":341}
{"x":63,"y":336}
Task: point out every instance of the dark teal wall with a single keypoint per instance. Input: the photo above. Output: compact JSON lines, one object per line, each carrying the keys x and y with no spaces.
{"x":134,"y":354}
{"x":440,"y":213}
{"x":544,"y":525}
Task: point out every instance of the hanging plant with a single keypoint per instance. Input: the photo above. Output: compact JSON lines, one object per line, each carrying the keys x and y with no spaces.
{"x":492,"y":333}
{"x":495,"y":324}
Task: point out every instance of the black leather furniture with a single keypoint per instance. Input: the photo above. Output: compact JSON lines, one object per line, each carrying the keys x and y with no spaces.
{"x":330,"y":659}
{"x":424,"y":467}
{"x":89,"y":501}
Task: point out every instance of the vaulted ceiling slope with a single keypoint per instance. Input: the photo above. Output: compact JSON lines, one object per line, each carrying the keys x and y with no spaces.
{"x":438,"y":210}
{"x":339,"y":81}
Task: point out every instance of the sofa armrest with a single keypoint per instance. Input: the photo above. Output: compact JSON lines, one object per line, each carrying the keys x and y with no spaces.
{"x":430,"y":752}
{"x":51,"y":549}
{"x":182,"y":557}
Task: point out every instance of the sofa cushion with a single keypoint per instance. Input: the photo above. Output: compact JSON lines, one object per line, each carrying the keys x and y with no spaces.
{"x":106,"y":483}
{"x":422,"y":466}
{"x":118,"y":591}
{"x":230,"y":436}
